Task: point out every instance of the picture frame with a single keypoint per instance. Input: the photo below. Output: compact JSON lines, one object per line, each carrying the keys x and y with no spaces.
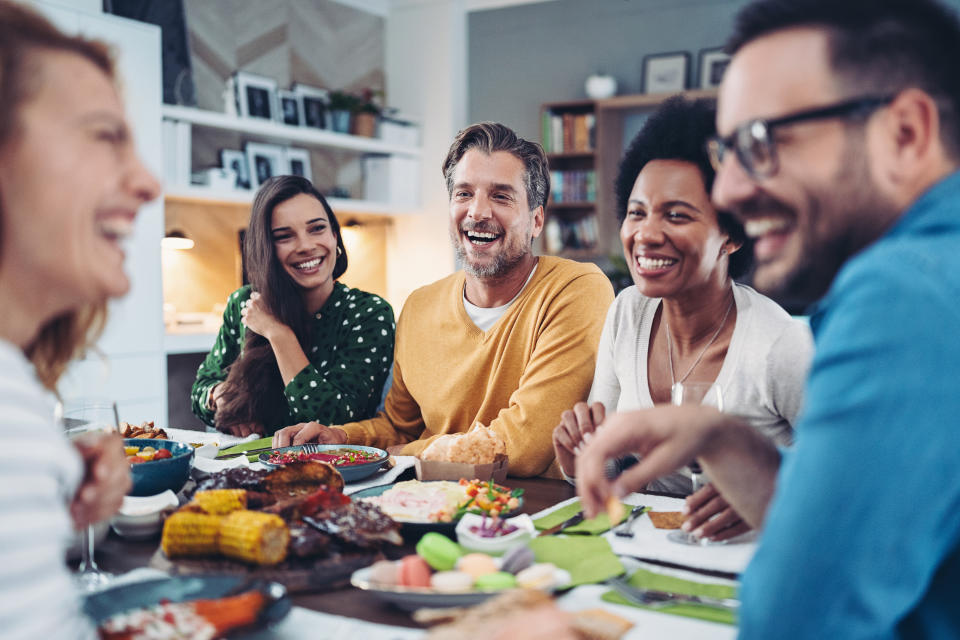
{"x":298,"y":162}
{"x":315,"y":102}
{"x":665,"y":72}
{"x":289,"y":108}
{"x":265,"y":161}
{"x":256,"y":96}
{"x":712,"y":64}
{"x":236,"y":160}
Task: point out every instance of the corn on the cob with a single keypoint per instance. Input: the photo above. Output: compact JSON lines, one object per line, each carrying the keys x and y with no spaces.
{"x":187,"y":533}
{"x":221,"y":501}
{"x":255,"y":537}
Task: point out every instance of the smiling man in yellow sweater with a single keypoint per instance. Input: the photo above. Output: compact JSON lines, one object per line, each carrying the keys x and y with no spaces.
{"x":509,"y":341}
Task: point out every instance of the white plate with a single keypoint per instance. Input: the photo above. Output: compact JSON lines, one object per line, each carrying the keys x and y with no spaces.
{"x":412,"y":598}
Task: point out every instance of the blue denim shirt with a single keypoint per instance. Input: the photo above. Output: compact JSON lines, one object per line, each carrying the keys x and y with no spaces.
{"x":861,"y":539}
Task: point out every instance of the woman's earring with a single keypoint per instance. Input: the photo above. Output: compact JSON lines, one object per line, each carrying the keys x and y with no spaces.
{"x":339,"y":251}
{"x":723,"y":251}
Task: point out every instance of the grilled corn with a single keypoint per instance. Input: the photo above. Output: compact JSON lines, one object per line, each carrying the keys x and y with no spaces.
{"x":221,"y":501}
{"x":187,"y":533}
{"x":255,"y":537}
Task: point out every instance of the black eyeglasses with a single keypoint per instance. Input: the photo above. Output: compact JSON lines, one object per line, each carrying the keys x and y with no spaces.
{"x":753,"y":141}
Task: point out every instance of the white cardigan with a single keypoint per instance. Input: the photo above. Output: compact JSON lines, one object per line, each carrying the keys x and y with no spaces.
{"x":762,"y":376}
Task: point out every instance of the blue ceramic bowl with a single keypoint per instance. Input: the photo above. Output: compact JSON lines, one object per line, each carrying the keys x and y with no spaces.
{"x":350,"y":473}
{"x":156,"y":476}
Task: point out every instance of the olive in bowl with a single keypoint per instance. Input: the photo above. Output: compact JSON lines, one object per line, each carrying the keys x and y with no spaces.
{"x":157,"y":465}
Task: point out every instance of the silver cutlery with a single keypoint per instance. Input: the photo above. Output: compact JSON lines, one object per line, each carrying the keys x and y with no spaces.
{"x":569,"y":522}
{"x":623,"y":529}
{"x":655,"y":599}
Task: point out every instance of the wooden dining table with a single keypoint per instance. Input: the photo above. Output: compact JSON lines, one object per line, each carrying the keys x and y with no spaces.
{"x":119,"y":555}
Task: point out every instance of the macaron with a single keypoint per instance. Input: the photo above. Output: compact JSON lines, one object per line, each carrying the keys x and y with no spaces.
{"x":477,"y":564}
{"x":539,"y":576}
{"x":451,"y":581}
{"x":439,"y":551}
{"x":414,"y":572}
{"x":385,"y":572}
{"x":495,"y":581}
{"x":517,"y":559}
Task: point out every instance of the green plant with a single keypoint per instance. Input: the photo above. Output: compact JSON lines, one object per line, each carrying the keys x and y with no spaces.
{"x":370,"y":101}
{"x":343,"y":101}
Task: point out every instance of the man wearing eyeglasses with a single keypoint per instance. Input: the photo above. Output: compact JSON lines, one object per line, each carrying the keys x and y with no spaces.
{"x":838,"y":145}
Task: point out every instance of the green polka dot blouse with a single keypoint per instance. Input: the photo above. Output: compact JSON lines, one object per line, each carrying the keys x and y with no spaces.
{"x":350,"y":355}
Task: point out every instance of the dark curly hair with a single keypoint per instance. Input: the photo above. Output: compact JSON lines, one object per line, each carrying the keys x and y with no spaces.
{"x":678,"y":130}
{"x":876,"y":46}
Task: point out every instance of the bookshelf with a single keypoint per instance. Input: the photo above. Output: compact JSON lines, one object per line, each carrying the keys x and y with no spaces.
{"x":582,"y":224}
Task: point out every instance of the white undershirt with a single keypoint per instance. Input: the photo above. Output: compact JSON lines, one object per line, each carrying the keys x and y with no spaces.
{"x":486,"y":317}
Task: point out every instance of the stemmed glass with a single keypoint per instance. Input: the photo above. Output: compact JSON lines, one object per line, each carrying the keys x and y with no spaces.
{"x":700,"y":393}
{"x":82,"y":417}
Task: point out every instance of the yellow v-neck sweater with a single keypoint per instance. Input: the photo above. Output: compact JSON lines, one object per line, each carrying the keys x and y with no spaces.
{"x":517,"y":377}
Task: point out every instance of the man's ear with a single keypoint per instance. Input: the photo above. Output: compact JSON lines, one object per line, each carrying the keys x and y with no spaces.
{"x":905,"y":147}
{"x":537,"y":222}
{"x":730,"y":246}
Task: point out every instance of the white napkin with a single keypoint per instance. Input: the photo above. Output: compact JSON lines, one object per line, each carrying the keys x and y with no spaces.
{"x":209,"y":465}
{"x":650,"y":542}
{"x":401,"y":464}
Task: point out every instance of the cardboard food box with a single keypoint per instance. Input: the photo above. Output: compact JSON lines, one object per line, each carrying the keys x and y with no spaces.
{"x":436,"y":470}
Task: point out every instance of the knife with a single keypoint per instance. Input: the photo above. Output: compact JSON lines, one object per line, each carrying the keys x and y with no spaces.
{"x":248,"y":452}
{"x":569,"y":522}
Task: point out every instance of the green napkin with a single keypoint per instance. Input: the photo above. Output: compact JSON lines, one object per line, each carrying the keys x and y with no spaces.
{"x":593,"y":526}
{"x":246,"y":446}
{"x":644,"y":579}
{"x":588,"y":559}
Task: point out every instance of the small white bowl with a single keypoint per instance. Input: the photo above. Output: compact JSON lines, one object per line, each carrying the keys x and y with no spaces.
{"x":141,"y":518}
{"x":497,"y":545}
{"x":209,"y":450}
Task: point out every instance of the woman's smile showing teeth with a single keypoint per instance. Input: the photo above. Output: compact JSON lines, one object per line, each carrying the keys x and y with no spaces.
{"x":647,"y":264}
{"x":309,"y":266}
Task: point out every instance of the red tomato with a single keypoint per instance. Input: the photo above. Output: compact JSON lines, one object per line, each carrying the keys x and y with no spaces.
{"x":162,"y":454}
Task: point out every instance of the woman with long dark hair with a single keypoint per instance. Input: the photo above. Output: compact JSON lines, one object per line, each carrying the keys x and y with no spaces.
{"x":295,"y":345}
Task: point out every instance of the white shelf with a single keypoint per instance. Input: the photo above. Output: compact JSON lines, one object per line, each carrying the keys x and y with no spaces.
{"x":285,"y":133}
{"x":195,"y":194}
{"x":185,"y":342}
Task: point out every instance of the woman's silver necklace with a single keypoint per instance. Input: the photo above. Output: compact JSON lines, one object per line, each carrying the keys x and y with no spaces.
{"x":673,"y":379}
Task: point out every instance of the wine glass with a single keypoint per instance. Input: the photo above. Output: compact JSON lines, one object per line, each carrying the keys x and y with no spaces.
{"x":699,"y":393}
{"x":80,"y":417}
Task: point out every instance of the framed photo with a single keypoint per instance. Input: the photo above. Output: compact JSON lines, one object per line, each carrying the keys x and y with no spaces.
{"x":265,"y":161}
{"x":256,"y":96}
{"x":236,"y":160}
{"x":298,"y":162}
{"x":713,"y":62}
{"x":315,"y":102}
{"x":289,"y":108}
{"x":665,"y":72}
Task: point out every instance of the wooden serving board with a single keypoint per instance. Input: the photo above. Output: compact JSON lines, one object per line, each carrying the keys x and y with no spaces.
{"x":299,"y":576}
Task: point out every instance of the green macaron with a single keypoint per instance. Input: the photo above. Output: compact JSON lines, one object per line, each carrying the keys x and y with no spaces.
{"x":440,"y":552}
{"x":495,"y":581}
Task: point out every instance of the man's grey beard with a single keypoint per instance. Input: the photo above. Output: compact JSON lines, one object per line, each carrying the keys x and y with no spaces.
{"x":501,"y":265}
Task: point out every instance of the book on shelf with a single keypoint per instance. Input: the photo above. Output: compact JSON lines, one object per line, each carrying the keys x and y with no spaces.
{"x":573,"y":186}
{"x":561,"y":234}
{"x":566,"y":132}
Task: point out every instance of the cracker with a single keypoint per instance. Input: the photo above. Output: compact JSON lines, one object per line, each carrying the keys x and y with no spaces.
{"x":666,"y":519}
{"x":614,"y":510}
{"x":599,"y":624}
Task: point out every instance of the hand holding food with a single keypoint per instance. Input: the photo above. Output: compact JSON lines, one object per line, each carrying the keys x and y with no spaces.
{"x":106,"y":478}
{"x":576,"y":427}
{"x":308,"y":432}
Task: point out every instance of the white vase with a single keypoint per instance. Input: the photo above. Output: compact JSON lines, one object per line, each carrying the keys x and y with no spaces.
{"x":600,"y":86}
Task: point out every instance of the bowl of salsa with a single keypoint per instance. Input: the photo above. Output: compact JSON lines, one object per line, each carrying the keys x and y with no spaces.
{"x":354,"y":462}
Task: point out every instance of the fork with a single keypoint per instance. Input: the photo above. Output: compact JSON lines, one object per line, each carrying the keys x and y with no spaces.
{"x":657,"y":599}
{"x":623,"y":529}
